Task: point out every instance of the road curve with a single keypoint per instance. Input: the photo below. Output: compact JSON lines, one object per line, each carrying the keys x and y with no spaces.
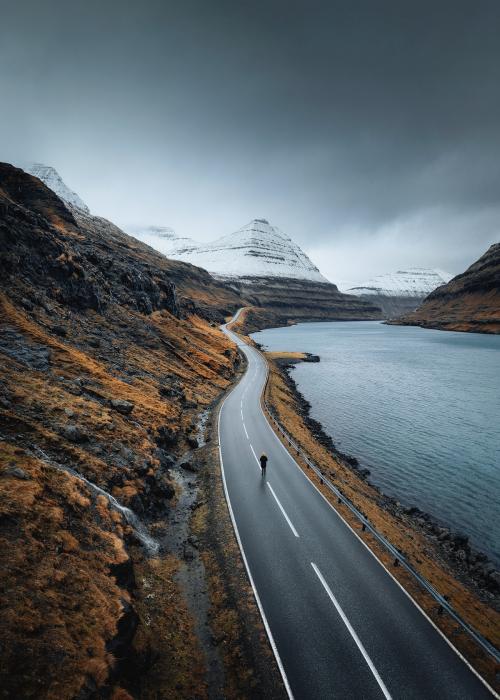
{"x":339,"y":624}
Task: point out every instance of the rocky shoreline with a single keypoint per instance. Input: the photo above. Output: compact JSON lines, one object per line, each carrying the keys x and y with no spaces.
{"x":471,"y":567}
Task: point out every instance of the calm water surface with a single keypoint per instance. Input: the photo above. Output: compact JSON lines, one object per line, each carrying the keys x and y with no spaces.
{"x":419,"y":408}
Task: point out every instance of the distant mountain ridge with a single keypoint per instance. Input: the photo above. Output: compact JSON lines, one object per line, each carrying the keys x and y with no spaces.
{"x":402,"y":291}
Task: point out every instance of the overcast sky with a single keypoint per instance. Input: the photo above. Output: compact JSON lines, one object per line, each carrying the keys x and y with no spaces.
{"x":369,"y":131}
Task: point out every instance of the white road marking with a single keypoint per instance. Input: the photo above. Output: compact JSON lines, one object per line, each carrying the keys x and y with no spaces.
{"x":283,"y":511}
{"x":256,"y":458}
{"x":245,"y":429}
{"x":352,"y":632}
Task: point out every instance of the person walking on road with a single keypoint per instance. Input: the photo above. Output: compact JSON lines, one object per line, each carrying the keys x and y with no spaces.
{"x":263,"y":463}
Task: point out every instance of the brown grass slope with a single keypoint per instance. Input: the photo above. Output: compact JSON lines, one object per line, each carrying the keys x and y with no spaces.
{"x":107,"y":357}
{"x":469,"y":302}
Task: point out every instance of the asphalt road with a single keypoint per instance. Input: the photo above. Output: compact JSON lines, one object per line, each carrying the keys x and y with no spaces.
{"x":339,"y":624}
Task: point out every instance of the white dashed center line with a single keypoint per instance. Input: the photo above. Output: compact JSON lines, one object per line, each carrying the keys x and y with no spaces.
{"x":352,"y":632}
{"x":283,"y":511}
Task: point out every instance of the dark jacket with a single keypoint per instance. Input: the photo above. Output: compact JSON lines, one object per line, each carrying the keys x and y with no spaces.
{"x":263,"y":461}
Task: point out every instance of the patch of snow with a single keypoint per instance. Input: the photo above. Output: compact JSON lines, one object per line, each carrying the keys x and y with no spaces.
{"x":414,"y":282}
{"x":50,"y":177}
{"x":163,"y":239}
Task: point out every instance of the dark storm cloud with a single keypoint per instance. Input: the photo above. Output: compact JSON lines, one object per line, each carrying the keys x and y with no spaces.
{"x":369,"y":131}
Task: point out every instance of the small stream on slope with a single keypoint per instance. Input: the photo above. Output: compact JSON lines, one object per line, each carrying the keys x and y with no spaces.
{"x":131,"y":518}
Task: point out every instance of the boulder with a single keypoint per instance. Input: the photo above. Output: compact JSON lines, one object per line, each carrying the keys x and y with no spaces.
{"x":494,"y":577}
{"x":166,"y":437}
{"x":74,"y":434}
{"x":60,"y":331}
{"x":16,"y":472}
{"x":122,"y":406}
{"x":190,"y":467}
{"x":460,"y":541}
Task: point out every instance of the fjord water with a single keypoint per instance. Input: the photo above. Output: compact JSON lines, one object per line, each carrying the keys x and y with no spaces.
{"x":419,"y":408}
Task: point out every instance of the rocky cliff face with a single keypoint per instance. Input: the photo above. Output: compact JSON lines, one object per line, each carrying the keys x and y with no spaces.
{"x":278,"y":302}
{"x":107,"y":358}
{"x":469,"y":302}
{"x":400,"y":292}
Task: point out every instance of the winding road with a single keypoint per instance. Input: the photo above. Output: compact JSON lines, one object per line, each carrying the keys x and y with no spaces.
{"x":339,"y":624}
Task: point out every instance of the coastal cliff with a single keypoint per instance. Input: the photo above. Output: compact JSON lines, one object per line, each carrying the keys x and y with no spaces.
{"x":469,"y":302}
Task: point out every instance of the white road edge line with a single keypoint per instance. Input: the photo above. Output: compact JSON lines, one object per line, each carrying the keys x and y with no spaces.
{"x":283,"y":511}
{"x":247,"y":567}
{"x":245,"y":429}
{"x":403,"y":589}
{"x":352,"y":632}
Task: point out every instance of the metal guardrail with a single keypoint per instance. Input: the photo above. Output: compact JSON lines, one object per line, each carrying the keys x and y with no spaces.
{"x":399,"y":559}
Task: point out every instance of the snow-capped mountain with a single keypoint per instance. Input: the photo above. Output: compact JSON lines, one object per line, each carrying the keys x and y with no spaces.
{"x":414,"y":282}
{"x":400,"y":292}
{"x":50,"y":177}
{"x":256,"y":250}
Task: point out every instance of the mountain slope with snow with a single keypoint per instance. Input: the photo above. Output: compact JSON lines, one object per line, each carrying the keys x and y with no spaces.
{"x":414,"y":282}
{"x":50,"y":177}
{"x":255,"y":250}
{"x":402,"y":291}
{"x":164,"y":240}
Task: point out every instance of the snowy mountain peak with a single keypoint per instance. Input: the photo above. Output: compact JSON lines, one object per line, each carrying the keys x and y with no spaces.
{"x":258,"y":249}
{"x":413,"y":282}
{"x":50,"y":177}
